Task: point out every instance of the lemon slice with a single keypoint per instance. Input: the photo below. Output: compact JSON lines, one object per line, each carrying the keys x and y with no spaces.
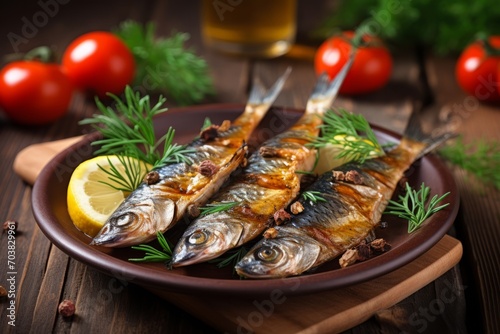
{"x":90,"y":201}
{"x":327,"y":154}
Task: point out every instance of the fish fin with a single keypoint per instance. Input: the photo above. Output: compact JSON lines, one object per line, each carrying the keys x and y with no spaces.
{"x":325,"y":91}
{"x":432,"y":140}
{"x":259,"y":95}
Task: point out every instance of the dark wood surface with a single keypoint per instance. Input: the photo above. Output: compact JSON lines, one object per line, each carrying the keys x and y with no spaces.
{"x":45,"y":275}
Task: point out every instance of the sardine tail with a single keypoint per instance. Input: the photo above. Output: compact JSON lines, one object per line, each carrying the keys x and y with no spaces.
{"x":260,"y":96}
{"x":326,"y":91}
{"x":432,"y":140}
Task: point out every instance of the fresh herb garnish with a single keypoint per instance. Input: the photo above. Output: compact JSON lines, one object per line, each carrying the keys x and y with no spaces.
{"x":480,"y":158}
{"x":351,"y":133}
{"x":413,"y":206}
{"x":217,"y":207}
{"x":441,"y":27}
{"x":313,"y":196}
{"x":128,"y":179}
{"x":129,"y":130}
{"x":233,"y":256}
{"x":206,"y":124}
{"x":305,"y":172}
{"x":165,"y":65}
{"x":153,"y":254}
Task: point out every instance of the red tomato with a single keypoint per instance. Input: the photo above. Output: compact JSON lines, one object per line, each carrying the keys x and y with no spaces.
{"x":34,"y":93}
{"x":477,"y":71}
{"x":370,"y":70}
{"x":99,"y":62}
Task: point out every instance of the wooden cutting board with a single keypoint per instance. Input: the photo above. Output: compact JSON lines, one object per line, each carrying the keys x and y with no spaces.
{"x":326,"y":312}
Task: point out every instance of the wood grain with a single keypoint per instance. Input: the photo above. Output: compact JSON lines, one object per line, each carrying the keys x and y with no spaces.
{"x":480,"y":224}
{"x":30,"y":161}
{"x":326,"y":312}
{"x":107,"y":303}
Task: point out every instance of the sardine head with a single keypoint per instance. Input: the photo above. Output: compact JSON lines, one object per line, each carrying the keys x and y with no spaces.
{"x":282,"y":256}
{"x":206,"y":240}
{"x":135,"y":222}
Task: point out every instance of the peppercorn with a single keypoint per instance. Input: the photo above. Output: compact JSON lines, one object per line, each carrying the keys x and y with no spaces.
{"x":66,"y":308}
{"x":3,"y":292}
{"x":8,"y":223}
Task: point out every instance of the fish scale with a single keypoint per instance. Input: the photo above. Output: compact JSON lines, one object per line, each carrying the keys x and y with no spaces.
{"x":157,"y":206}
{"x":267,"y":184}
{"x":351,"y":210}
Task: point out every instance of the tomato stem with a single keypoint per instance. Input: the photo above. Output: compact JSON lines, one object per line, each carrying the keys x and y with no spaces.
{"x":489,"y":49}
{"x":43,"y":54}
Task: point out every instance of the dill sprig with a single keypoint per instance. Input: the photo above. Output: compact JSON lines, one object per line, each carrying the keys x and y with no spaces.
{"x":233,"y":256}
{"x":153,"y":254}
{"x":414,"y":207}
{"x":165,"y":65}
{"x":206,"y":123}
{"x":313,"y":196}
{"x":129,"y":130}
{"x":217,"y":207}
{"x":129,"y":178}
{"x":480,"y":158}
{"x":351,"y":133}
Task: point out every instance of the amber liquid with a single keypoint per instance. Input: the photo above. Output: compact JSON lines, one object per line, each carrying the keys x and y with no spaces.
{"x":263,"y":28}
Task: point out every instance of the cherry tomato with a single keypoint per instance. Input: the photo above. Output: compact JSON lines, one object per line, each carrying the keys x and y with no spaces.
{"x":99,"y":62}
{"x":478,"y":70}
{"x":370,"y":70}
{"x":34,"y":93}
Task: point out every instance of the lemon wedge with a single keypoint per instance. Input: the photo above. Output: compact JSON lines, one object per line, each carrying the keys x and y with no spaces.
{"x":328,"y":153}
{"x":90,"y":201}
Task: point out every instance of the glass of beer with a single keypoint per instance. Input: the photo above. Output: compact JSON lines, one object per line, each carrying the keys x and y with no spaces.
{"x":256,"y":28}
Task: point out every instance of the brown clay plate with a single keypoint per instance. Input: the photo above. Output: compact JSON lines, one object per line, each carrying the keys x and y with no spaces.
{"x":49,"y":205}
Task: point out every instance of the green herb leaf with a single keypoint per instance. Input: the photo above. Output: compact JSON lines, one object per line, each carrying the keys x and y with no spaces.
{"x":313,"y":196}
{"x":413,"y":206}
{"x":165,"y":65}
{"x":128,"y":182}
{"x":153,"y":254}
{"x":129,"y":130}
{"x":351,"y":133}
{"x":233,"y":257}
{"x":206,"y":124}
{"x":437,"y":25}
{"x":480,"y":158}
{"x":217,"y":207}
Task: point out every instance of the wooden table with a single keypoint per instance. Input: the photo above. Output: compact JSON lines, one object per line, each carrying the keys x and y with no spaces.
{"x":45,"y":275}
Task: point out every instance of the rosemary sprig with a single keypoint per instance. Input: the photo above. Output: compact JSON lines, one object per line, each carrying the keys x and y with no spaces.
{"x":233,"y":256}
{"x":480,"y":158}
{"x":153,"y":254}
{"x":412,"y":206}
{"x":165,"y":65}
{"x":351,"y":133}
{"x":217,"y":207}
{"x":129,"y":178}
{"x":313,"y":196}
{"x":129,"y":130}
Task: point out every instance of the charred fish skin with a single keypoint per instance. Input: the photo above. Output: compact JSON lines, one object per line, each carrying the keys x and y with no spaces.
{"x":268,"y":183}
{"x":156,"y":206}
{"x":356,"y":196}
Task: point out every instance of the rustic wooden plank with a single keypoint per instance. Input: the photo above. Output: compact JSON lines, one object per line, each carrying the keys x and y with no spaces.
{"x":48,"y":300}
{"x":325,"y":312}
{"x":29,"y":282}
{"x":479,"y":203}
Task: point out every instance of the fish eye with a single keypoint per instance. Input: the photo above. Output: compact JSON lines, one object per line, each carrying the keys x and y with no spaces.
{"x":198,"y":237}
{"x":124,"y":219}
{"x":267,"y":254}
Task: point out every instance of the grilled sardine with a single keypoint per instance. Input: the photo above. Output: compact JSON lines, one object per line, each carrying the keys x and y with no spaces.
{"x":356,"y":196}
{"x":156,"y":205}
{"x":267,"y":184}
